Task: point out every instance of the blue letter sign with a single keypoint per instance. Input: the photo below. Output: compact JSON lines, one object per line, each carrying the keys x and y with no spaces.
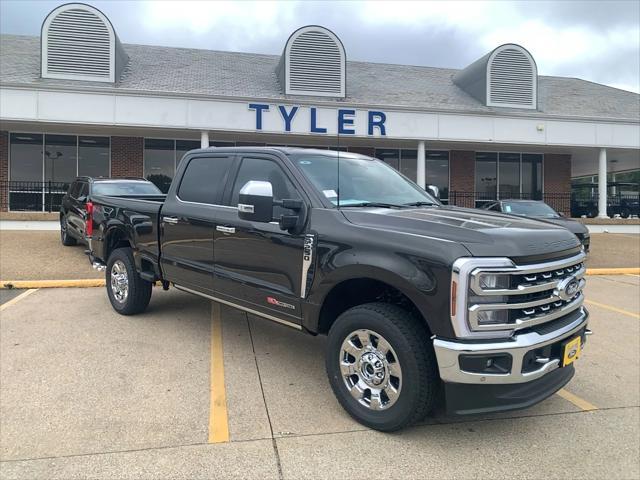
{"x":287,"y":116}
{"x":377,"y":119}
{"x":344,"y":122}
{"x":258,"y":107}
{"x":314,"y":122}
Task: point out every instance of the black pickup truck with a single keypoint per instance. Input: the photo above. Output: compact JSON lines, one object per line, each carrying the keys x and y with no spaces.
{"x":417,"y":298}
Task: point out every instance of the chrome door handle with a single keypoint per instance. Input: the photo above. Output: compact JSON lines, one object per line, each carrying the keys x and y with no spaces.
{"x":225,"y":229}
{"x":171,"y":220}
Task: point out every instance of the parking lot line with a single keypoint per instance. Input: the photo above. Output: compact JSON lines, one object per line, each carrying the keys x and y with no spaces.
{"x":613,"y":271}
{"x":576,"y":400}
{"x":613,"y":309}
{"x":15,"y":300}
{"x":218,"y":420}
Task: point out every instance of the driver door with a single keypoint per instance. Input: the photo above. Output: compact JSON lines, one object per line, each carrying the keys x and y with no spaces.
{"x":258,"y":265}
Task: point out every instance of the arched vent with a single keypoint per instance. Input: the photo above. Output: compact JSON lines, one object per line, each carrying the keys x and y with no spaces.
{"x":314,"y":63}
{"x":79,"y":43}
{"x":511,"y":78}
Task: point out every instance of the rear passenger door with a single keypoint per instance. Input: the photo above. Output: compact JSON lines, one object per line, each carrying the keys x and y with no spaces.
{"x":258,"y":265}
{"x":187,"y":221}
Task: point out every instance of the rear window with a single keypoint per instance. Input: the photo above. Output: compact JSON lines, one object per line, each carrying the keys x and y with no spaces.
{"x":204,"y":180}
{"x":125,"y":188}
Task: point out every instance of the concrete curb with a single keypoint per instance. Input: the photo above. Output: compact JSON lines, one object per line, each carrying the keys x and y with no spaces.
{"x":613,"y":271}
{"x":83,"y":283}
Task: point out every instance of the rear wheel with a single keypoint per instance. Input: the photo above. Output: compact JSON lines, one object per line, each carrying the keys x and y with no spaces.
{"x":128,"y":293}
{"x":381,"y":366}
{"x":66,"y":239}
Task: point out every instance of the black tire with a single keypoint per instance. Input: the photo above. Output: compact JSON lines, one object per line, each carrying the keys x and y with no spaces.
{"x":410,"y":341}
{"x":138,"y":290}
{"x":625,"y":213}
{"x":66,"y":239}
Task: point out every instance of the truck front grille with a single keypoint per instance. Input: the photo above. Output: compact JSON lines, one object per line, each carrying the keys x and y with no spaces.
{"x":505,"y":296}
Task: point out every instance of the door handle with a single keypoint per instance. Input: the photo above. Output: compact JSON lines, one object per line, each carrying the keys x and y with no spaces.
{"x":222,"y":229}
{"x":171,"y":220}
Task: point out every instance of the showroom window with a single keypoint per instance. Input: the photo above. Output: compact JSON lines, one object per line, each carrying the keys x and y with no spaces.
{"x":42,"y":167}
{"x":508,"y":175}
{"x":406,"y":160}
{"x":161,"y":158}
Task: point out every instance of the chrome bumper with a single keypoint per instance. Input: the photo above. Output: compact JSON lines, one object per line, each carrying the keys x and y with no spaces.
{"x":447,"y":353}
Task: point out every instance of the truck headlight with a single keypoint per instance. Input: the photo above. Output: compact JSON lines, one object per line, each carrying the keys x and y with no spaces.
{"x":493,"y":317}
{"x":493,"y":281}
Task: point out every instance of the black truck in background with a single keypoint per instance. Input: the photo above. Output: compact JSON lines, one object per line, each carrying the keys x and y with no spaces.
{"x":417,"y":298}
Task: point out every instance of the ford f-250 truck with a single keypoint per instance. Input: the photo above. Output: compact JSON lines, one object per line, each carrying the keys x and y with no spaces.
{"x":416,"y":298}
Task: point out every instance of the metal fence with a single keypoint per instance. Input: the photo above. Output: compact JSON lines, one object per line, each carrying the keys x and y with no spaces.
{"x":32,"y":196}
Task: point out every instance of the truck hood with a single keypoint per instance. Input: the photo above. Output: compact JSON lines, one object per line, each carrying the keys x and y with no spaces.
{"x":484,"y":234}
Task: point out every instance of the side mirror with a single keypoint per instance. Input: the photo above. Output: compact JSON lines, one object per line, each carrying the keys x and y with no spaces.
{"x":435,"y":191}
{"x":256,"y":202}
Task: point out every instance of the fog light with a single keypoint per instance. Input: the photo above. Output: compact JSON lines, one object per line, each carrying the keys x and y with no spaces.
{"x":497,"y":363}
{"x":492,"y":317}
{"x":494,"y":281}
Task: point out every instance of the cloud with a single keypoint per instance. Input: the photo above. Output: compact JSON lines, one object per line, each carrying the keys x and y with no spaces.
{"x":597,"y":41}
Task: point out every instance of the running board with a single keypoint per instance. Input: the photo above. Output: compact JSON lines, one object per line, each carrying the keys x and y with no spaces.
{"x":240,"y":307}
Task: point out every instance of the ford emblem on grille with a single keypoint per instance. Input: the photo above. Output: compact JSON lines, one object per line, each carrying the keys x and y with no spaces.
{"x":568,"y":288}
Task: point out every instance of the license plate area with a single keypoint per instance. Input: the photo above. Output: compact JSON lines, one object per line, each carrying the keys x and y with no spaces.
{"x":535,"y":359}
{"x":571,"y":350}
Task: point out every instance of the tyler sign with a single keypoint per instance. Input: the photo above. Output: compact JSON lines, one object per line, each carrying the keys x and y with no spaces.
{"x":318,"y":120}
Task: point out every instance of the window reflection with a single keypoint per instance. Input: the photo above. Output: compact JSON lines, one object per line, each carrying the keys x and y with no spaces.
{"x":159,"y":162}
{"x":93,"y":156}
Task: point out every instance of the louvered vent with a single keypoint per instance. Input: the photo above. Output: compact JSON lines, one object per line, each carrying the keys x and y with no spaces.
{"x":78,"y":43}
{"x":315,"y":62}
{"x":512,"y":78}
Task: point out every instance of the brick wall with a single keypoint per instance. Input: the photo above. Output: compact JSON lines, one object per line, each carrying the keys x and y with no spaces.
{"x":557,"y":181}
{"x":462,"y":168}
{"x":127,"y":156}
{"x":4,"y":170}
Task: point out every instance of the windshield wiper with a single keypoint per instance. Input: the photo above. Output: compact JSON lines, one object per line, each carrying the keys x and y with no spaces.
{"x":420,"y":204}
{"x":374,"y":204}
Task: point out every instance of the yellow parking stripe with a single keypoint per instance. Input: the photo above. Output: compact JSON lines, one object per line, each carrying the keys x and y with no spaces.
{"x":613,"y":309}
{"x":15,"y":300}
{"x":576,"y":400}
{"x":218,"y":421}
{"x":613,"y":271}
{"x":81,"y":283}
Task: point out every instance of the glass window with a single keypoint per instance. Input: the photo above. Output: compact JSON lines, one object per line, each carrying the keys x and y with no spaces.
{"x":362,"y":180}
{"x":509,"y":175}
{"x":93,"y":156}
{"x":532,"y":176}
{"x":26,"y":157}
{"x":60,"y":157}
{"x":409,"y":164}
{"x":438,"y":172}
{"x":84,"y":189}
{"x":530,"y":209}
{"x":125,"y":187}
{"x":222,"y":144}
{"x":268,"y":171}
{"x":486,"y":172}
{"x":159,"y":162}
{"x":204,"y":180}
{"x":390,"y":156}
{"x":182,"y":147}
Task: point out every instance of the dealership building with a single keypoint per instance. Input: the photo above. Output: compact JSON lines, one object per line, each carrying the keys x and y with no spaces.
{"x":78,"y":101}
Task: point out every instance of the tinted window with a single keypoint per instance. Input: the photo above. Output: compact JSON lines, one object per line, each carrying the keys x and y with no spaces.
{"x":60,"y":157}
{"x":159,"y":161}
{"x":267,"y":171}
{"x":93,"y":156}
{"x":125,"y":188}
{"x":26,"y":157}
{"x":84,"y":190}
{"x":204,"y":179}
{"x":530,"y":209}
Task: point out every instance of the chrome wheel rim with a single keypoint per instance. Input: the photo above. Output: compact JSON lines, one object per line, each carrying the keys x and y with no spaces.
{"x":370,"y":369}
{"x":63,"y":229}
{"x":119,"y":281}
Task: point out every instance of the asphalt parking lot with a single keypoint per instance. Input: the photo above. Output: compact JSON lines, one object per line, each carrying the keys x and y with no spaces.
{"x":194,"y":389}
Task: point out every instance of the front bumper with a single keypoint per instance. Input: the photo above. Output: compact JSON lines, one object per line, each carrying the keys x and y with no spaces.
{"x":535,"y":371}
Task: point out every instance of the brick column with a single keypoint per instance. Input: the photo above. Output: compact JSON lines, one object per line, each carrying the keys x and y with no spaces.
{"x":4,"y":171}
{"x":127,"y":155}
{"x":557,"y":181}
{"x":462,"y":168}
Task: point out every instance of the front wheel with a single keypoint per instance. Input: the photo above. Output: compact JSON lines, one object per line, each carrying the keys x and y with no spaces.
{"x":381,"y":366}
{"x":128,"y":293}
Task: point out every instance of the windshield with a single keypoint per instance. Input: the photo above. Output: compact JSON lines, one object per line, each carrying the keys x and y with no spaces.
{"x":530,"y":209}
{"x":125,"y":188}
{"x":362,"y":181}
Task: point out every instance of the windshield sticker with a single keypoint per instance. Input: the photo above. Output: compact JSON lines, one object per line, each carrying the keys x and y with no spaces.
{"x":507,"y":208}
{"x":304,"y":162}
{"x":330,"y":193}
